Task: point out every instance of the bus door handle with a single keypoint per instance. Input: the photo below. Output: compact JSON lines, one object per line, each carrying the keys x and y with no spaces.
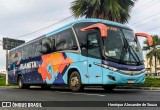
{"x":90,"y":65}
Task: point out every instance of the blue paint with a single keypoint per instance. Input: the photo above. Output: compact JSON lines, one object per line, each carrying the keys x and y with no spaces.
{"x":121,"y":78}
{"x":59,"y":80}
{"x":123,"y":67}
{"x":81,"y":64}
{"x":95,"y":75}
{"x":54,"y":75}
{"x":86,"y":20}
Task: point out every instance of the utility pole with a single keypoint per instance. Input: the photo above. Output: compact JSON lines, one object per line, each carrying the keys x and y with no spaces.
{"x":7,"y":66}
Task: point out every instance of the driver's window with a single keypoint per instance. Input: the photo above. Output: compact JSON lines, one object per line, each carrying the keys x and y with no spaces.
{"x":93,"y":45}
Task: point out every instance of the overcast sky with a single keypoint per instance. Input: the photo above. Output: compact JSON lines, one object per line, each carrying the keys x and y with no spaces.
{"x":19,"y":17}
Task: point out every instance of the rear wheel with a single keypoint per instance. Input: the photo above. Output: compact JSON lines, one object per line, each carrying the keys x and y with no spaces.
{"x":109,"y":88}
{"x":75,"y":82}
{"x":21,"y":85}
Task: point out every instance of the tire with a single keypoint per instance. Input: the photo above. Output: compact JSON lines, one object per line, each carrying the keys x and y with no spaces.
{"x":109,"y":88}
{"x":75,"y":82}
{"x":21,"y":85}
{"x":45,"y":87}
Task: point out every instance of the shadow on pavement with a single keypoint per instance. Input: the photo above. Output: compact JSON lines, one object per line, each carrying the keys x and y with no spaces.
{"x":86,"y":90}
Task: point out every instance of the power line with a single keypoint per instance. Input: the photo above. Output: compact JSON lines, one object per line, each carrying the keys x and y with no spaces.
{"x":153,"y":28}
{"x":145,"y":18}
{"x":1,"y":42}
{"x":146,"y":23}
{"x":44,"y":27}
{"x":148,"y":5}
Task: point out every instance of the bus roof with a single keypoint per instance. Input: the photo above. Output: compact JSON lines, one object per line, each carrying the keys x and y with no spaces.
{"x":86,"y":20}
{"x":75,"y":22}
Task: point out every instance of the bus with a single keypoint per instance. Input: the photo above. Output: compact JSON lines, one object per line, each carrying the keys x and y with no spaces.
{"x":87,"y":52}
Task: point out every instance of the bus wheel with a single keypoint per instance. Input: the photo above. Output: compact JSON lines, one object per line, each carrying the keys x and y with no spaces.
{"x":75,"y":82}
{"x":109,"y":88}
{"x":21,"y":85}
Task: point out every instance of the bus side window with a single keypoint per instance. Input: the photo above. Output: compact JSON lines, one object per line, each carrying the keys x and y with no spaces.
{"x":48,"y":45}
{"x":37,"y":48}
{"x":27,"y":52}
{"x":53,"y":42}
{"x":22,"y":53}
{"x":33,"y":50}
{"x":45,"y":46}
{"x":66,"y":41}
{"x":93,"y":46}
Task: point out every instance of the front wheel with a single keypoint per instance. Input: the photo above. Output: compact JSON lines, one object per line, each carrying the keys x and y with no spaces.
{"x":21,"y":85}
{"x":109,"y":88}
{"x":75,"y":82}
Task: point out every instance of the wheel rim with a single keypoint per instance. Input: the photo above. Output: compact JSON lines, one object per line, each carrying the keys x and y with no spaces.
{"x":74,"y":81}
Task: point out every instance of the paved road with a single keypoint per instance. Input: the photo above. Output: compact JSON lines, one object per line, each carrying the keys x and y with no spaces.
{"x":89,"y":94}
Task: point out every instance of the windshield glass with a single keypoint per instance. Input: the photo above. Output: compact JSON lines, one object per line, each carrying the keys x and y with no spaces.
{"x":135,"y":48}
{"x":121,"y":46}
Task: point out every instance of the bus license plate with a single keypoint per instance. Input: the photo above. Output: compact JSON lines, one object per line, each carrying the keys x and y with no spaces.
{"x":130,"y":81}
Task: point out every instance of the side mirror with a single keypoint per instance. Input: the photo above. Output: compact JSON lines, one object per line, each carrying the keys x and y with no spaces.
{"x":103,"y":29}
{"x":149,"y":38}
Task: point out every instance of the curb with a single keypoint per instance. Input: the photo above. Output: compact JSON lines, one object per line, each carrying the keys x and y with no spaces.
{"x":143,"y":88}
{"x":118,"y":87}
{"x":8,"y":86}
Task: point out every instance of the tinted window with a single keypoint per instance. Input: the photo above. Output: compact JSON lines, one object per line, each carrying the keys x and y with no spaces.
{"x":48,"y":45}
{"x":66,"y":41}
{"x":37,"y":47}
{"x":93,"y":45}
{"x":82,"y":36}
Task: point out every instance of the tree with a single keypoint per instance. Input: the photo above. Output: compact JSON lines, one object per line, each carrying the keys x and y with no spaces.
{"x":114,"y":10}
{"x":154,"y":52}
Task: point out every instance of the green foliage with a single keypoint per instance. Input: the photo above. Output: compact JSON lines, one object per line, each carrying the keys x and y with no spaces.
{"x":153,"y":50}
{"x":149,"y":82}
{"x":3,"y":82}
{"x":114,"y":10}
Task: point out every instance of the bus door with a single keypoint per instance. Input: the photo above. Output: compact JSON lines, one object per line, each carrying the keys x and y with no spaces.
{"x":94,"y":58}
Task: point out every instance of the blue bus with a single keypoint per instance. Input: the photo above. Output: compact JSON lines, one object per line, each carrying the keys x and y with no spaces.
{"x":83,"y":53}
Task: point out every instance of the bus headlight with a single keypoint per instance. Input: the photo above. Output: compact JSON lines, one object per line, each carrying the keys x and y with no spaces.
{"x":110,"y":68}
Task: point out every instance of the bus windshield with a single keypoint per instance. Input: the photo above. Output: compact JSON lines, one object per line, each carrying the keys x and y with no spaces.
{"x":121,"y":46}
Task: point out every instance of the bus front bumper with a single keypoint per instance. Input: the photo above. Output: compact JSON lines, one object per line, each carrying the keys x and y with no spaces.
{"x":119,"y":78}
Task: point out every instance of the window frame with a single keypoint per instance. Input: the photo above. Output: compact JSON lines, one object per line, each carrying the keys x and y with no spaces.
{"x":98,"y":41}
{"x":75,"y":43}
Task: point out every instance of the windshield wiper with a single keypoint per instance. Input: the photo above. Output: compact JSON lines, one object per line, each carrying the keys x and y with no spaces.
{"x":135,"y":54}
{"x":126,"y":48}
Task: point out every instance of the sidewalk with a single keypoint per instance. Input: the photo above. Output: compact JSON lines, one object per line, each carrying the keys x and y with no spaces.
{"x":134,"y":87}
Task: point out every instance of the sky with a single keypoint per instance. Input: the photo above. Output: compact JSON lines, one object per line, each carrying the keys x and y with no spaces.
{"x":20,"y":17}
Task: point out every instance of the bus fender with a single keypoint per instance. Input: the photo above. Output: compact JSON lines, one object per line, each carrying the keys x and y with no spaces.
{"x":73,"y":69}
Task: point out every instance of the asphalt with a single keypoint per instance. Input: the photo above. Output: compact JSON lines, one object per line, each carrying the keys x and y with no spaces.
{"x":89,"y":94}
